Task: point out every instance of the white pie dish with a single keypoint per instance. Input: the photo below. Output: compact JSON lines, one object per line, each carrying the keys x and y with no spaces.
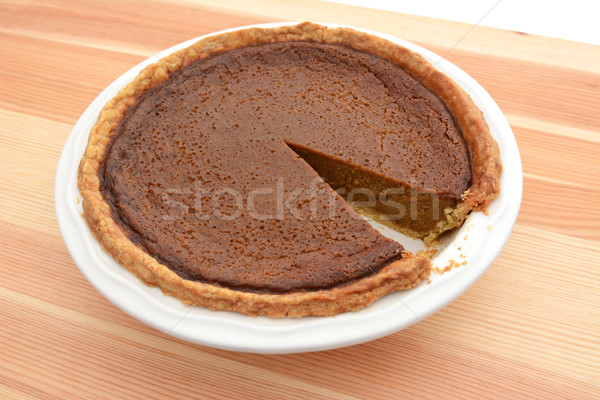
{"x":477,"y":243}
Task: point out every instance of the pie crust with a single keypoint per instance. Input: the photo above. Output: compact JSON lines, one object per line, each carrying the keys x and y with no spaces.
{"x":402,"y":274}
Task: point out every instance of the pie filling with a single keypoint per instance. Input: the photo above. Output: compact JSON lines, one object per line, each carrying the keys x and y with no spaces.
{"x":234,"y":170}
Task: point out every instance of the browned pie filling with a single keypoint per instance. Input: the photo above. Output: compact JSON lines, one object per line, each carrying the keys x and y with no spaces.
{"x":227,"y":171}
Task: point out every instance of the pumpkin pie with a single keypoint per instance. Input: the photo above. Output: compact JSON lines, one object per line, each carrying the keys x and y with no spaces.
{"x":231,"y":173}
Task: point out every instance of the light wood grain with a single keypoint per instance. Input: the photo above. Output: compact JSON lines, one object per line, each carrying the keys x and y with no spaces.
{"x":529,"y":328}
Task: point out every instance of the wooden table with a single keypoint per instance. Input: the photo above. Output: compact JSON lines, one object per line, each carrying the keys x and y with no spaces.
{"x":530,"y":328}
